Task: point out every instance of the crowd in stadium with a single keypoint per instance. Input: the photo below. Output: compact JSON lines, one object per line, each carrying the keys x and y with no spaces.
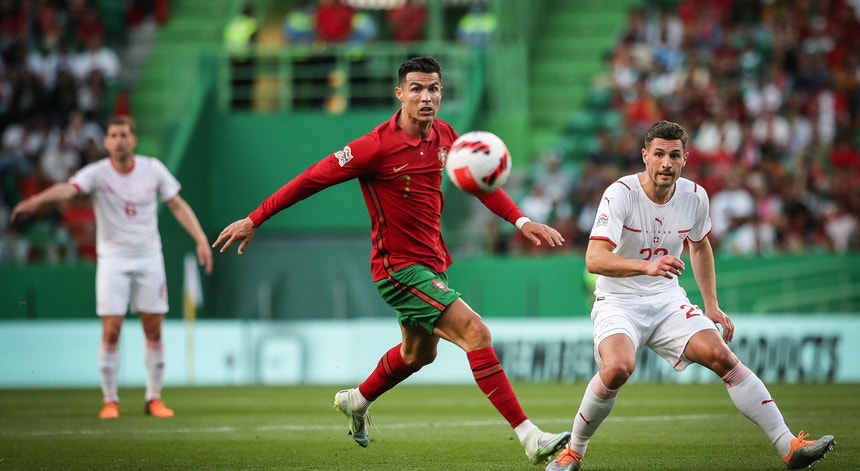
{"x":59,"y":78}
{"x":770,"y":95}
{"x":768,"y":90}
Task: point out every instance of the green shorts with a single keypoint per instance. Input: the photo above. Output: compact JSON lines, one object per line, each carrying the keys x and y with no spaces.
{"x":418,"y":294}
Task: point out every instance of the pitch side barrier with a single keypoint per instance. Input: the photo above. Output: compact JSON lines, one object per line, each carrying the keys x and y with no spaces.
{"x":785,"y":348}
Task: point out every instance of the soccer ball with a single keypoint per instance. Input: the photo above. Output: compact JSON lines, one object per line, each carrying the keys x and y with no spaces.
{"x":479,"y":162}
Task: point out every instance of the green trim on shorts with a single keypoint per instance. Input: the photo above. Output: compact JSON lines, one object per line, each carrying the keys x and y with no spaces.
{"x":418,"y":295}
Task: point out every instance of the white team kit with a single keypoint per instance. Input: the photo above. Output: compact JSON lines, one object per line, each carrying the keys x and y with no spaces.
{"x":650,"y":309}
{"x":130,"y":270}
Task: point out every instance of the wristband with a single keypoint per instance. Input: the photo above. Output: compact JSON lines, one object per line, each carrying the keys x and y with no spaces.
{"x":522,"y":222}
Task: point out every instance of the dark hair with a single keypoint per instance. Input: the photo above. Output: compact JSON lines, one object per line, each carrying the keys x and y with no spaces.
{"x":666,"y":130}
{"x":124,"y":120}
{"x":425,"y":64}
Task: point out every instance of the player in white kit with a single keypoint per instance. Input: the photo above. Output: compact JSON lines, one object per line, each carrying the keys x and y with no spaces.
{"x":125,"y":189}
{"x":638,"y":237}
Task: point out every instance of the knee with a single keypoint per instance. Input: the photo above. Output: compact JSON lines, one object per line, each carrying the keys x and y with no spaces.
{"x":418,"y":360}
{"x":720,"y":360}
{"x":477,"y":335}
{"x":110,"y":336}
{"x":616,"y":372}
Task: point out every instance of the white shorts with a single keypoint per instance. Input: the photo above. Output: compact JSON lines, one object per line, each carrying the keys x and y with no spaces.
{"x":663,"y":322}
{"x":134,"y":283}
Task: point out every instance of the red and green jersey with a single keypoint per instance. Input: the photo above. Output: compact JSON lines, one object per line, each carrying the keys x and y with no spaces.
{"x":401,"y":179}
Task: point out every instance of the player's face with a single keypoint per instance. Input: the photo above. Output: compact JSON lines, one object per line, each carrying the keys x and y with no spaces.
{"x":664,"y":160}
{"x":120,"y":141}
{"x":421,"y":95}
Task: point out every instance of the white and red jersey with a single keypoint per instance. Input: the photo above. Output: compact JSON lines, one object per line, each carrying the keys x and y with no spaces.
{"x":642,"y":229}
{"x":126,"y":203}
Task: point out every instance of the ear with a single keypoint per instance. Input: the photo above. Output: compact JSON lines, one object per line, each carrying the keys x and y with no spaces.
{"x":398,"y":92}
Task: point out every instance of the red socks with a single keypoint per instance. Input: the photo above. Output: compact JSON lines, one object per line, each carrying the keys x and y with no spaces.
{"x":494,"y":383}
{"x":486,"y":369}
{"x":390,"y":371}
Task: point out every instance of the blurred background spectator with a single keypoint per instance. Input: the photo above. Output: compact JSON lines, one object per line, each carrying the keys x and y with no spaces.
{"x":407,"y":21}
{"x":240,"y":36}
{"x":477,"y":27}
{"x":770,"y":94}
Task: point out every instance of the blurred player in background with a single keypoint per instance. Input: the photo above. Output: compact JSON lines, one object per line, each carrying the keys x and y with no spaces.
{"x":399,"y":166}
{"x":130,"y":270}
{"x":635,"y":246}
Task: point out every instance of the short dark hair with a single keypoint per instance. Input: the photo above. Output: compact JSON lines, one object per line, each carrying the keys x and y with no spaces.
{"x":425,"y":64}
{"x":666,"y":130}
{"x":124,"y":120}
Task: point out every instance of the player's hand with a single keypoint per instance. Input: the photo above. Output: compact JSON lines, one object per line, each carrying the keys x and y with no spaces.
{"x":23,"y":209}
{"x":665,"y":266}
{"x":535,"y":231}
{"x":722,"y":319}
{"x":204,"y":257}
{"x":242,"y":230}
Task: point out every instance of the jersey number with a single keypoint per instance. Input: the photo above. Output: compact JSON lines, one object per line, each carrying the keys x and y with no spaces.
{"x":130,"y":210}
{"x":406,"y":185}
{"x":648,"y":253}
{"x":692,"y":311}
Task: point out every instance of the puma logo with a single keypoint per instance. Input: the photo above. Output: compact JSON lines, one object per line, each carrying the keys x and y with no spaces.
{"x":659,"y":220}
{"x":587,"y":422}
{"x":397,"y":169}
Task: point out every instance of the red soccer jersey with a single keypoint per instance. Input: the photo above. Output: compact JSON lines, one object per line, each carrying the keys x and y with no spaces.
{"x":401,"y":178}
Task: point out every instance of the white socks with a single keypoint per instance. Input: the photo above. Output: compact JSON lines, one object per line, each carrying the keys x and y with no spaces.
{"x":751,"y":397}
{"x":597,"y":403}
{"x":109,"y":368}
{"x":154,"y":361}
{"x":523,"y":429}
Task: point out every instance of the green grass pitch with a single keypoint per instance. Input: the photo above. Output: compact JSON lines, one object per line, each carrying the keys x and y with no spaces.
{"x":653,"y":426}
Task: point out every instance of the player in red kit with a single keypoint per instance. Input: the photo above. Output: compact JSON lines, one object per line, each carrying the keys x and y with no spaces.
{"x":400,"y":166}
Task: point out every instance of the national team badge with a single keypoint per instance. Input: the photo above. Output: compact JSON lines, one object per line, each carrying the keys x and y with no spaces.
{"x":343,"y":156}
{"x":440,"y":286}
{"x":442,"y":154}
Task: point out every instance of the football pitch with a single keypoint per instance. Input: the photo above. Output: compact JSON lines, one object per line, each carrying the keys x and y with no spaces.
{"x":653,"y":426}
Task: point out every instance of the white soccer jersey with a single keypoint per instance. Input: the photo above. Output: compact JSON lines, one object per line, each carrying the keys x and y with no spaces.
{"x":125,"y":203}
{"x":642,"y":229}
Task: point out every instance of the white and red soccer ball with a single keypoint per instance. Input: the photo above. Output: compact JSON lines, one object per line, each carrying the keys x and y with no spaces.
{"x":478,"y":162}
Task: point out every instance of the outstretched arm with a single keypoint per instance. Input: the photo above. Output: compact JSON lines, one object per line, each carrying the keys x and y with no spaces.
{"x":57,"y":192}
{"x":186,"y":217}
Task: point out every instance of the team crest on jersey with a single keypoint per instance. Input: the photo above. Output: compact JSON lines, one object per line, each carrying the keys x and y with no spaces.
{"x":602,"y":220}
{"x":343,"y":156}
{"x":442,"y":154}
{"x":440,"y":286}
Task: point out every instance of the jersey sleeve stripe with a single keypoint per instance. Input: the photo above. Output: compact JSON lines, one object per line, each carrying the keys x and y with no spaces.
{"x":607,"y":239}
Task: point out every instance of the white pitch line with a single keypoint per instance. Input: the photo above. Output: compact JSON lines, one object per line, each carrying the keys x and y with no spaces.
{"x":302,"y":428}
